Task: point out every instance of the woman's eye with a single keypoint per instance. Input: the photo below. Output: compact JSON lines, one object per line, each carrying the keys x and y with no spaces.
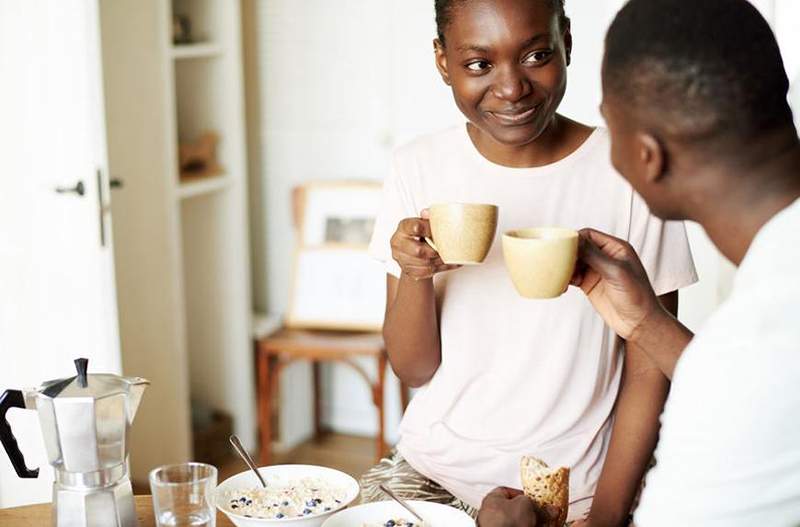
{"x":478,"y":65}
{"x":538,"y":56}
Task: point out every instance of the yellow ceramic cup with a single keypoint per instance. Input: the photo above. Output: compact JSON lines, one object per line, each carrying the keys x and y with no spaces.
{"x":463,"y":232}
{"x":541,"y":260}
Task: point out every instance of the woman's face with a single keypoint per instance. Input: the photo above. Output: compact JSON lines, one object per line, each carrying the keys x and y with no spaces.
{"x":506,"y":61}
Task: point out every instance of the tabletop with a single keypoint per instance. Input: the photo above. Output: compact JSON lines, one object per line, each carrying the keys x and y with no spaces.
{"x":39,"y":515}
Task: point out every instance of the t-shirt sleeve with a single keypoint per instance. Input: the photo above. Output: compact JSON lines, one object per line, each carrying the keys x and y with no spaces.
{"x":396,"y":204}
{"x":663,"y":248}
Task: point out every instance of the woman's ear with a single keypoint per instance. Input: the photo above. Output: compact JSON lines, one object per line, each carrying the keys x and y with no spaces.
{"x":568,"y":41}
{"x":441,"y":60}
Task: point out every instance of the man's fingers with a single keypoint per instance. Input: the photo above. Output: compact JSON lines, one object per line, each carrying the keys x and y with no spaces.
{"x":609,"y":245}
{"x":505,"y":493}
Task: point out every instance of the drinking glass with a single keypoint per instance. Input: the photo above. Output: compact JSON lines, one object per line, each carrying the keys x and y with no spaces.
{"x":183,"y":495}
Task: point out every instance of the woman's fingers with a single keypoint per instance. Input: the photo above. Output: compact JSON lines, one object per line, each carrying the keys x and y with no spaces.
{"x":415,"y":227}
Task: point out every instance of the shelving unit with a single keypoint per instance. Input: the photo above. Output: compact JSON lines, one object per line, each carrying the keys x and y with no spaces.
{"x":203,"y":186}
{"x":196,"y":51}
{"x":208,"y":96}
{"x":181,"y":246}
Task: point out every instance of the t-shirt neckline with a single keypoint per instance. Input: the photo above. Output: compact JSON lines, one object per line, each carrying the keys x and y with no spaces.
{"x":569,"y":159}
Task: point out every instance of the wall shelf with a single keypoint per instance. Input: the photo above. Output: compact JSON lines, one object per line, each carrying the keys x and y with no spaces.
{"x":191,"y":188}
{"x":201,"y":50}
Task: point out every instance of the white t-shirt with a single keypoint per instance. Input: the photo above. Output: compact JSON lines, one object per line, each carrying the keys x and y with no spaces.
{"x":520,"y":376}
{"x":729,"y":453}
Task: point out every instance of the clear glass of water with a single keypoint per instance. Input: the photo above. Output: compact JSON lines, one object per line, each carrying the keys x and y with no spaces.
{"x":183,"y":495}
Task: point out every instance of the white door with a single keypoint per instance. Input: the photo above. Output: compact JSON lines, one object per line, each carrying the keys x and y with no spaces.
{"x":57,"y":299}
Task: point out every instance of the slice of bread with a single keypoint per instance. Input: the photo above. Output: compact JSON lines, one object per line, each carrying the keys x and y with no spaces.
{"x":546,"y":487}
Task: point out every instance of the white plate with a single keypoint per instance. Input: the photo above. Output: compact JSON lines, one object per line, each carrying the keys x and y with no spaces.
{"x":284,"y":473}
{"x":434,"y":514}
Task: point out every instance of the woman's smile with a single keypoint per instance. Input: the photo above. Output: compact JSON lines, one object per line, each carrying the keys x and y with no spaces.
{"x":514,"y":116}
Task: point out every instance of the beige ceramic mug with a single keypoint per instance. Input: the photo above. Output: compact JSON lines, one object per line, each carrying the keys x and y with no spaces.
{"x":462,"y":232}
{"x":541,"y":261}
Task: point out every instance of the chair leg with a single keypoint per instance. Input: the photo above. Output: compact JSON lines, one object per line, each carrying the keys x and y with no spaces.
{"x":265,"y":406}
{"x":405,"y":395}
{"x":380,"y":450}
{"x":316,"y":368}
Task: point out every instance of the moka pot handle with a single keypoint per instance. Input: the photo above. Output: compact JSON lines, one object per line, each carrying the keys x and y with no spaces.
{"x":13,"y":399}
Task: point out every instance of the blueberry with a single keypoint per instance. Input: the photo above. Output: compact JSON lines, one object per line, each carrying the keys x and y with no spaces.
{"x":234,"y":506}
{"x":390,"y":523}
{"x":285,"y":504}
{"x":306,"y":511}
{"x":279,"y":515}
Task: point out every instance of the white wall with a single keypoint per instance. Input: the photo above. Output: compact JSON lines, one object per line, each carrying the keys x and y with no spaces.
{"x":343,"y":82}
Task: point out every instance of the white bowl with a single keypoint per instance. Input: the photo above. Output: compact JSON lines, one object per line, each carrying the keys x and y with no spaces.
{"x":434,"y":514}
{"x":247,"y":479}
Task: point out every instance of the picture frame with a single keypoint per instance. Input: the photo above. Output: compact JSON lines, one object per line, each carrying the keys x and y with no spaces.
{"x":336,"y":284}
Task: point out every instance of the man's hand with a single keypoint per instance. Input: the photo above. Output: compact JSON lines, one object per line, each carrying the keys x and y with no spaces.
{"x":504,"y":507}
{"x":614,"y":280}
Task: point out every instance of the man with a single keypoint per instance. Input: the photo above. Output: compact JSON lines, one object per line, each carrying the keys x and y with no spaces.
{"x":695,"y":100}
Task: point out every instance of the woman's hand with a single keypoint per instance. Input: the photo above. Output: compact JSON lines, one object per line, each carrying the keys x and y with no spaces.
{"x":613,"y":278}
{"x":417,"y":259}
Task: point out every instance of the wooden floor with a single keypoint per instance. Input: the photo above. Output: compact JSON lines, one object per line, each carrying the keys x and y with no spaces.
{"x":350,"y":454}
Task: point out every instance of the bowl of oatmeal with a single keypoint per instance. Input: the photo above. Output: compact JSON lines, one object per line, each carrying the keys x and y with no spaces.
{"x":391,"y":514}
{"x":296,"y":496}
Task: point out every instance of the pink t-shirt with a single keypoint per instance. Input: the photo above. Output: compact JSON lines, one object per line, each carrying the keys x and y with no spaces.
{"x":520,"y":377}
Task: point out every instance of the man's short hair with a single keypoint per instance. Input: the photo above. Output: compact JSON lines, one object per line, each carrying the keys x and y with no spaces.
{"x":703,"y":69}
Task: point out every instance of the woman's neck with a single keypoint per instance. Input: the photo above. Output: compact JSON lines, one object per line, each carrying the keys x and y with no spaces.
{"x":561,"y":137}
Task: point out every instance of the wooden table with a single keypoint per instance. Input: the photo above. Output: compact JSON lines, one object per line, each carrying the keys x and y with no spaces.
{"x":39,"y":515}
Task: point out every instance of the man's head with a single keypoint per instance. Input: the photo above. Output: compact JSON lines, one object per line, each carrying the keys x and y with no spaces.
{"x":688,"y":85}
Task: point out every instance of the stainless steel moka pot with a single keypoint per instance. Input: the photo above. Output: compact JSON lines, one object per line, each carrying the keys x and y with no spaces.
{"x":85,"y":421}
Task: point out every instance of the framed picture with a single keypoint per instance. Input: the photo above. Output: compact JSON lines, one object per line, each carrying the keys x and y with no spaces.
{"x":336,"y":284}
{"x":337,"y":213}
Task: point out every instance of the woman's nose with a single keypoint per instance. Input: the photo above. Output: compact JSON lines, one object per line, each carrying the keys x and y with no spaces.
{"x":511,"y":85}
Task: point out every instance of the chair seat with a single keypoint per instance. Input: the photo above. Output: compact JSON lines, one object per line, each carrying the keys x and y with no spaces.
{"x":322,"y":345}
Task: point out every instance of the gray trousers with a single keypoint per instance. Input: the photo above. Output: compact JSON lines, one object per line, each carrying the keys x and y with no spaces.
{"x":396,"y":474}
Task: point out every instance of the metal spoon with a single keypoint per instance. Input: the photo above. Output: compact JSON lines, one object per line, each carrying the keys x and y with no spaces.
{"x":401,"y":502}
{"x":237,"y":445}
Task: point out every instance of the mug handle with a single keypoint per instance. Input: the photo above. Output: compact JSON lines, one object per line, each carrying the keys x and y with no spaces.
{"x":13,"y":399}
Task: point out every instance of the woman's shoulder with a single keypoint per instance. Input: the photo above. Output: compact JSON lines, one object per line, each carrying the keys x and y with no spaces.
{"x":433,"y":144}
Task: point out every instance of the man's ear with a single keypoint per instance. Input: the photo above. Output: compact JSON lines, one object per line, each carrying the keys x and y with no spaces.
{"x":568,"y":41}
{"x":441,"y":60}
{"x":652,"y":157}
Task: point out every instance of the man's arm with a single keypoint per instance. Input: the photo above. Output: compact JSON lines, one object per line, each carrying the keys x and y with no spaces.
{"x":615,"y":282}
{"x":643,"y":390}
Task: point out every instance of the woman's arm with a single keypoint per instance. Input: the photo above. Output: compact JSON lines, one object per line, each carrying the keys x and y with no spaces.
{"x":410,"y":325}
{"x":411,"y":329}
{"x":643,"y":390}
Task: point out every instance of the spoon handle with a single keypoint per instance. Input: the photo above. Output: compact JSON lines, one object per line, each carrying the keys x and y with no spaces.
{"x":237,"y":445}
{"x":392,"y":495}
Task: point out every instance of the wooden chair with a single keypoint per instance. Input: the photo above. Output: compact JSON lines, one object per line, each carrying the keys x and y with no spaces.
{"x":277,"y":350}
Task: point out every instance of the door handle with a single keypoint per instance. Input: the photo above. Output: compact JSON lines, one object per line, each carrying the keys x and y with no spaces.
{"x":78,"y":189}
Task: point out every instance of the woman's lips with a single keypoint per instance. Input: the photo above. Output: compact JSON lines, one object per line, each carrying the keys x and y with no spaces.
{"x":515,"y":118}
